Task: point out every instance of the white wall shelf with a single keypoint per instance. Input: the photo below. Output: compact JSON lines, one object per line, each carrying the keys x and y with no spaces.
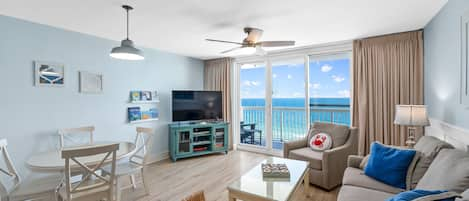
{"x":143,"y":121}
{"x":144,"y":102}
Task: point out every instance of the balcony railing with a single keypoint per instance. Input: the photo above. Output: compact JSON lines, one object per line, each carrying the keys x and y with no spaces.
{"x":289,"y":123}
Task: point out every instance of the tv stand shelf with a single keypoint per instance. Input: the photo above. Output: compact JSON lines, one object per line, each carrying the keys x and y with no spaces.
{"x":195,"y":139}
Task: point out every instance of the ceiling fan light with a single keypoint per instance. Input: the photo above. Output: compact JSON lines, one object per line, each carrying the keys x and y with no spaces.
{"x":127,"y":51}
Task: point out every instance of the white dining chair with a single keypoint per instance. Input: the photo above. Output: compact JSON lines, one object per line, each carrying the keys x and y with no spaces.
{"x":93,"y":186}
{"x":136,"y":164}
{"x":67,"y":133}
{"x":34,"y":187}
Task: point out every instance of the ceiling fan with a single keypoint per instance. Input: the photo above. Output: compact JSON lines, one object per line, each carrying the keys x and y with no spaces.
{"x":252,"y":41}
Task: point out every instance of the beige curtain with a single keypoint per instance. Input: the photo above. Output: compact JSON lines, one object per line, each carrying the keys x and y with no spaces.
{"x":387,"y":71}
{"x":217,"y":77}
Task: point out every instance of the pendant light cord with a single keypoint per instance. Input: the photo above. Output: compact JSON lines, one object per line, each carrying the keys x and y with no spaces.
{"x":127,"y":8}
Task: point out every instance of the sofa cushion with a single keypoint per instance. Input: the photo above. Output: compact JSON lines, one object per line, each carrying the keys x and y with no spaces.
{"x":391,"y":165}
{"x":306,"y":154}
{"x":320,"y":142}
{"x":339,"y":133}
{"x":356,"y":177}
{"x":428,"y":146}
{"x":353,"y":193}
{"x":449,"y":171}
{"x":424,"y":195}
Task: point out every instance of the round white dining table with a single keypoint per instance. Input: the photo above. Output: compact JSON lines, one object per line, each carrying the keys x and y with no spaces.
{"x":52,"y":160}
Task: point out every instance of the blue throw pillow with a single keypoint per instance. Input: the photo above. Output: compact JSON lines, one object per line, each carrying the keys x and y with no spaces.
{"x":429,"y":195}
{"x":389,"y":165}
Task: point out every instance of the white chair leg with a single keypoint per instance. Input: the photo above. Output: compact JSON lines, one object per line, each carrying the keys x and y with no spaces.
{"x":145,"y":185}
{"x":118,"y":191}
{"x":132,"y":181}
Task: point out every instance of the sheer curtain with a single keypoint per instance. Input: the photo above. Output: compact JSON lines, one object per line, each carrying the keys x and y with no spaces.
{"x":387,"y":70}
{"x":217,"y":77}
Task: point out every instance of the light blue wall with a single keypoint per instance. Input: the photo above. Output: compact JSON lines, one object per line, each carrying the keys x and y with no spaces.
{"x":30,"y":116}
{"x":442,"y":65}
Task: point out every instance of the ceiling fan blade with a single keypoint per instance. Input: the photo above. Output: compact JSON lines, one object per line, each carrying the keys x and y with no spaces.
{"x":223,"y":41}
{"x":232,"y":49}
{"x":254,"y":34}
{"x":275,"y":43}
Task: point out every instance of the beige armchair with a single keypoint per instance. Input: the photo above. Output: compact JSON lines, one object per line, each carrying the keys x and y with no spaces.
{"x":326,"y":168}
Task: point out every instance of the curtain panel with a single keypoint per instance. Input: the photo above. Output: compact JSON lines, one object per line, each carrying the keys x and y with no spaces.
{"x":217,"y":77}
{"x":387,"y":71}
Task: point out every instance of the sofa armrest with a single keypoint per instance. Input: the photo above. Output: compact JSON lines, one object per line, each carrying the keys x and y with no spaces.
{"x":296,"y":144}
{"x":354,"y":161}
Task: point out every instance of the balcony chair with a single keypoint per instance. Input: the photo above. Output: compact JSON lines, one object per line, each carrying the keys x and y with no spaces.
{"x":326,"y":169}
{"x":247,"y":133}
{"x":34,"y":187}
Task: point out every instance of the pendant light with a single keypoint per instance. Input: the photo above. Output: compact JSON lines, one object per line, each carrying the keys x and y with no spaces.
{"x":127,"y":50}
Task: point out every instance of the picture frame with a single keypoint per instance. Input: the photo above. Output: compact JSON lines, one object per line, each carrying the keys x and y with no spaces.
{"x":146,"y":96}
{"x":464,"y":88}
{"x":91,"y":83}
{"x":49,"y":74}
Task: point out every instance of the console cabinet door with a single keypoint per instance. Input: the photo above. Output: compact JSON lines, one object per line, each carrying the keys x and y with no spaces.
{"x":183,"y":141}
{"x":219,"y":136}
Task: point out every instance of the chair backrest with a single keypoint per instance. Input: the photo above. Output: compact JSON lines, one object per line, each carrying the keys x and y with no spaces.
{"x":64,"y":134}
{"x":10,"y":171}
{"x":143,"y":143}
{"x":197,"y":196}
{"x":73,"y":155}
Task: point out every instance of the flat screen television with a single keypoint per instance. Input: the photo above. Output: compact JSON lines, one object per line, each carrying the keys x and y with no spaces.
{"x":197,"y":105}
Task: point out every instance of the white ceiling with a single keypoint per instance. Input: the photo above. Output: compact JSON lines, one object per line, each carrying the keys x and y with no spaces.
{"x":180,"y":26}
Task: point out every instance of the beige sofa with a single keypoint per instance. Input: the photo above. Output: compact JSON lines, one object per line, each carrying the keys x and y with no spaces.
{"x":439,"y":168}
{"x":326,"y":168}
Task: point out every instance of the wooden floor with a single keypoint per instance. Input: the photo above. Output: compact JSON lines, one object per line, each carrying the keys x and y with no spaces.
{"x":173,"y":181}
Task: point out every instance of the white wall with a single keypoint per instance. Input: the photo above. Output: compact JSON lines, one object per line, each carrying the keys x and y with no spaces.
{"x":442,"y":56}
{"x":30,"y":116}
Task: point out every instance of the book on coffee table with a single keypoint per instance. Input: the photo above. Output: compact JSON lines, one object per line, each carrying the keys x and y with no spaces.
{"x":275,"y":171}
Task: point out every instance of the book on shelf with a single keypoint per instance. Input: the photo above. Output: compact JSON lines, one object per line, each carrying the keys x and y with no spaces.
{"x":134,"y":113}
{"x":275,"y":171}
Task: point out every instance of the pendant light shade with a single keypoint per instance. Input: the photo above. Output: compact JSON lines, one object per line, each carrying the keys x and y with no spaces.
{"x":127,"y":50}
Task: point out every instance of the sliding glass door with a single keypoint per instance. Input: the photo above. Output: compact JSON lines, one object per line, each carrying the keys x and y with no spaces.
{"x":288,"y":101}
{"x":280,"y":98}
{"x":252,"y":104}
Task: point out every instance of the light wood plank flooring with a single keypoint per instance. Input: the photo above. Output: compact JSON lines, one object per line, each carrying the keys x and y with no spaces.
{"x":213,"y":173}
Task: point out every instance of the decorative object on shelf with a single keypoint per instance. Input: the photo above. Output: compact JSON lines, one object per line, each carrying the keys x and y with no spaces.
{"x":91,"y":82}
{"x":134,"y":114}
{"x":275,"y":171}
{"x":146,"y":96}
{"x":49,"y":74}
{"x":134,"y":96}
{"x":412,"y":116}
{"x":127,"y":50}
{"x":154,"y":113}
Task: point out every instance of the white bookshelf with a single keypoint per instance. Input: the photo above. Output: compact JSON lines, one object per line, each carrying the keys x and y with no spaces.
{"x":143,"y":121}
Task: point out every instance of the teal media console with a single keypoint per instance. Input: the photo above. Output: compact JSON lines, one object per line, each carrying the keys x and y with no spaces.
{"x":195,"y":139}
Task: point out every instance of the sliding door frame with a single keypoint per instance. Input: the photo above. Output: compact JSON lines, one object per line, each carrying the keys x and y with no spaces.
{"x":305,"y":53}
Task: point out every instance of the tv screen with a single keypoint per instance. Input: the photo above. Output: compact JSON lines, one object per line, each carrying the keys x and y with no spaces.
{"x":197,"y":105}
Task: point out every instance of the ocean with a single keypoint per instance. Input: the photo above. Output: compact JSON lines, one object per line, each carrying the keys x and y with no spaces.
{"x":289,"y":117}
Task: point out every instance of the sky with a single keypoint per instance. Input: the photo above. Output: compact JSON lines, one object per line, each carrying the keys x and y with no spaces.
{"x":328,"y":79}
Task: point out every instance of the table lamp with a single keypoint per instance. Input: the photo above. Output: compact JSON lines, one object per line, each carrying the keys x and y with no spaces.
{"x":412,"y":116}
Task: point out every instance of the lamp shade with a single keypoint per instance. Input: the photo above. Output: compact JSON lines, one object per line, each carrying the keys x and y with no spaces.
{"x":411,"y":115}
{"x":127,"y":51}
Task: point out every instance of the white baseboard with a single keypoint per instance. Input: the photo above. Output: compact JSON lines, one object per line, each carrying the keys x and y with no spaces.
{"x":153,"y":158}
{"x":456,"y":136}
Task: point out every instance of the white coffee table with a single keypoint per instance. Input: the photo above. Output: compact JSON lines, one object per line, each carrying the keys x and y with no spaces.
{"x":253,"y":187}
